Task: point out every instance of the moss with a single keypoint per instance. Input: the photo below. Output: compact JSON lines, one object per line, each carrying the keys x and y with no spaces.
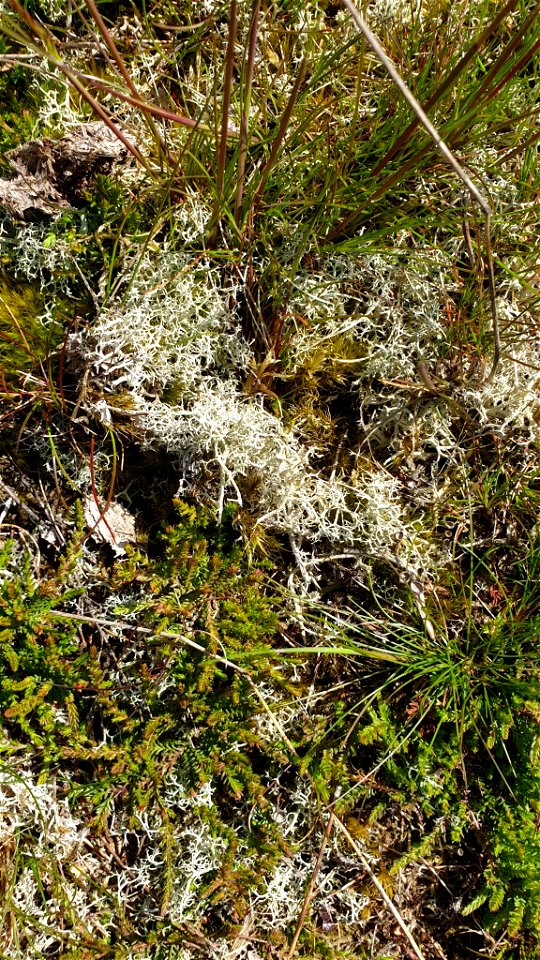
{"x":25,"y":340}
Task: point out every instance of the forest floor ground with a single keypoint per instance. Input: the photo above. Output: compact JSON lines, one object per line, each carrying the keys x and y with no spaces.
{"x":269,"y":481}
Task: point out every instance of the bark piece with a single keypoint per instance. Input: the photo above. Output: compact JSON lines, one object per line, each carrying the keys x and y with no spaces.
{"x":53,"y":175}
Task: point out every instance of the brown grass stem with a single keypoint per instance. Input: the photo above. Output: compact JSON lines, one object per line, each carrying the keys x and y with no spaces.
{"x":244,"y":121}
{"x":447,"y":84}
{"x":125,"y":75}
{"x":445,"y":151}
{"x":226,"y":106}
{"x":280,"y":136}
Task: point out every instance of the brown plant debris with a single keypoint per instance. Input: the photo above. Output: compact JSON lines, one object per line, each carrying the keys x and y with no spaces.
{"x":52,"y":175}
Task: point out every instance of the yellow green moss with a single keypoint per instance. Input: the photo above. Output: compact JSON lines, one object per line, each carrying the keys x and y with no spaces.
{"x":24,"y":338}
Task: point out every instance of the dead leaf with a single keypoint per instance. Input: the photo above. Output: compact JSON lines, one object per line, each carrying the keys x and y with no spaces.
{"x":115,"y":527}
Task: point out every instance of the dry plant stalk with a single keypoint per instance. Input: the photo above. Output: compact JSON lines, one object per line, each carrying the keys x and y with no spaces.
{"x":377,"y":883}
{"x":443,"y":149}
{"x":311,"y":887}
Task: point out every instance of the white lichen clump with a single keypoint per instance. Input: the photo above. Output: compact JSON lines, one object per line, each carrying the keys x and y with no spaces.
{"x":39,"y":255}
{"x":173,"y":342}
{"x":238,"y":437}
{"x":196,"y":853}
{"x":172,"y":328}
{"x":512,"y":398}
{"x":57,"y":110}
{"x":390,"y":308}
{"x":52,"y":908}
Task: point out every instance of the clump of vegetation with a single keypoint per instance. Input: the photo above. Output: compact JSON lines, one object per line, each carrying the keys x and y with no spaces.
{"x":299,"y":716}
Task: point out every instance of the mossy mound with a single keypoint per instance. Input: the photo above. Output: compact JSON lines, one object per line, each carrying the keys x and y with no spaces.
{"x":25,"y":339}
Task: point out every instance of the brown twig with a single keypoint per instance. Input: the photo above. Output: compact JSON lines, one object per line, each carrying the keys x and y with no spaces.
{"x":311,"y":886}
{"x":377,"y":883}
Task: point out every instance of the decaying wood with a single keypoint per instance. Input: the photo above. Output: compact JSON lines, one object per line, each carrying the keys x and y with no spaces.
{"x":53,"y":175}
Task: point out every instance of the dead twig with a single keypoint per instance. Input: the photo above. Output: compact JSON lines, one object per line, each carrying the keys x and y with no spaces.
{"x":311,"y":887}
{"x":451,"y":160}
{"x":377,"y":883}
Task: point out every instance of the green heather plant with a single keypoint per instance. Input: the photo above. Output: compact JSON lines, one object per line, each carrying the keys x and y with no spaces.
{"x":154,"y":735}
